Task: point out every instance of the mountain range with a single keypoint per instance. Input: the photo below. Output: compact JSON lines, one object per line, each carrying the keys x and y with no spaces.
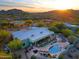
{"x":58,"y":15}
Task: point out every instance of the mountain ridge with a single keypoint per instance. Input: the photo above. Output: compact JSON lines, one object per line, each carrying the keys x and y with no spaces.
{"x":59,"y":15}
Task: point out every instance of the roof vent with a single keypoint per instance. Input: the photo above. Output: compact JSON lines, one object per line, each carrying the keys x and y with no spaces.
{"x":41,"y":32}
{"x":32,"y":35}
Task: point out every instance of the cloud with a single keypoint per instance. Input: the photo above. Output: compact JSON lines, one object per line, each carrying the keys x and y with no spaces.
{"x":16,"y":4}
{"x":19,"y":3}
{"x":34,"y":4}
{"x":6,"y":0}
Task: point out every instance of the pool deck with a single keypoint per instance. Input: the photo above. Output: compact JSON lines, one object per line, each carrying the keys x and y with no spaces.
{"x":46,"y":48}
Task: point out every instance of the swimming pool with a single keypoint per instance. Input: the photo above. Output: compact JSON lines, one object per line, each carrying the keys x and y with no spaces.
{"x":55,"y":49}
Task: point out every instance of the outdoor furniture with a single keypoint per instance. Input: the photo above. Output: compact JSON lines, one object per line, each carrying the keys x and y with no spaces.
{"x":35,"y":51}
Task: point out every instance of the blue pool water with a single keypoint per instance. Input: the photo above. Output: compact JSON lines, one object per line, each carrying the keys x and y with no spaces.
{"x":54,"y":49}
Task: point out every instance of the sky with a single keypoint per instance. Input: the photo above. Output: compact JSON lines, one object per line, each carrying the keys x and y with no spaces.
{"x":39,"y":5}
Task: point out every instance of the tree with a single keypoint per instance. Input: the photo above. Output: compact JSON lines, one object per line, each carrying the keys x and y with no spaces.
{"x":40,"y":24}
{"x":67,"y":32}
{"x":33,"y":57}
{"x":15,"y":44}
{"x":77,"y":30}
{"x":61,"y":56}
{"x":57,"y":26}
{"x":5,"y":37}
{"x":28,"y":22}
{"x":72,"y":39}
{"x":61,"y":26}
{"x":53,"y":24}
{"x":55,"y":29}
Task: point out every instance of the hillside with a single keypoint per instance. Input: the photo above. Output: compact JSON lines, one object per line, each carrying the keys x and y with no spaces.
{"x":57,"y":15}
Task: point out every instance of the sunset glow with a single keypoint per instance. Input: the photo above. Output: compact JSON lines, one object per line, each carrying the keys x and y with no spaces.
{"x":64,"y":4}
{"x":39,"y":5}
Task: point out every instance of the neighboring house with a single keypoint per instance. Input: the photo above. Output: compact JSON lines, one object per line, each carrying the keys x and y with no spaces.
{"x":18,"y":24}
{"x":33,"y":35}
{"x":72,"y":27}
